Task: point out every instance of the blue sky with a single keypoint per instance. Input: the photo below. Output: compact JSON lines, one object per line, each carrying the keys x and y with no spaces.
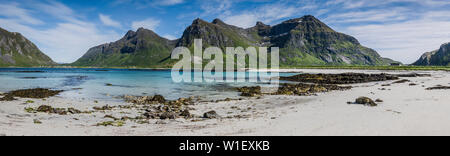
{"x":66,"y":29}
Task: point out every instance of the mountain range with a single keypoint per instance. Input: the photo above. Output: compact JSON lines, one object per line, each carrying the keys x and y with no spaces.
{"x":440,"y":57}
{"x":302,"y":41}
{"x":18,"y":51}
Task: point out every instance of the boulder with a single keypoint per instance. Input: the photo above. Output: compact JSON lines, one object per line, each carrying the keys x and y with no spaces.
{"x":211,"y":115}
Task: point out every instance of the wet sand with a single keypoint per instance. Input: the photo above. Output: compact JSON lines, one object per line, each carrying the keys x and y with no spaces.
{"x":406,"y":110}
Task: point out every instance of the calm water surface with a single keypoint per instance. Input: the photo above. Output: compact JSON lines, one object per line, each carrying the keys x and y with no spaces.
{"x":91,"y":83}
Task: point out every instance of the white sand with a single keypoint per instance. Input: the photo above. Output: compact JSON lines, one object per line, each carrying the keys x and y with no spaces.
{"x":406,"y":110}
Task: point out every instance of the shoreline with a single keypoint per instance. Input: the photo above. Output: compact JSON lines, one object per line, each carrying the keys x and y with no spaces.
{"x":406,"y":110}
{"x":280,"y":70}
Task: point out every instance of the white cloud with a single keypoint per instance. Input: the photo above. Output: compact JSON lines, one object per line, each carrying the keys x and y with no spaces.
{"x":64,"y":41}
{"x":171,"y":2}
{"x":242,"y":20}
{"x":147,"y":3}
{"x":106,"y":20}
{"x":405,"y":41}
{"x":13,"y":11}
{"x":267,"y":14}
{"x":149,"y":23}
{"x":170,"y":37}
{"x":397,"y":14}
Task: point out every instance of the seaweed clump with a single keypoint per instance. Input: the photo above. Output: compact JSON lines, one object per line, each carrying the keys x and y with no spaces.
{"x":51,"y":110}
{"x":157,"y":107}
{"x":37,"y":93}
{"x":345,"y":78}
{"x":250,"y":91}
{"x":302,"y":89}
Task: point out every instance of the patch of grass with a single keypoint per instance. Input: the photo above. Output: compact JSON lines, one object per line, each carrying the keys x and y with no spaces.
{"x":118,"y":123}
{"x":410,"y":68}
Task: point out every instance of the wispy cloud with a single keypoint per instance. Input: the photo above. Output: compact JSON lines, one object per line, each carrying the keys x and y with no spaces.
{"x":170,"y":37}
{"x":405,"y":41}
{"x":12,"y":11}
{"x":401,"y":33}
{"x":170,"y":2}
{"x":148,"y":3}
{"x":64,"y":41}
{"x":106,"y":20}
{"x":268,"y":13}
{"x":149,"y":23}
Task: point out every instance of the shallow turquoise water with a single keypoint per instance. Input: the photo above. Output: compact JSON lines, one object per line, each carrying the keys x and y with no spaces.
{"x":91,"y":83}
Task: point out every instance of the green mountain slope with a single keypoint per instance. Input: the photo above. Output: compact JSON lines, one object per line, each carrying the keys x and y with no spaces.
{"x":439,"y":57}
{"x":302,"y":41}
{"x":308,"y":41}
{"x":17,"y":51}
{"x":142,"y":48}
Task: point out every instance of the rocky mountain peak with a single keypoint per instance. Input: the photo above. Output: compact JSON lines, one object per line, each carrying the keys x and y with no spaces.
{"x":261,"y":24}
{"x":218,"y":21}
{"x":16,"y":50}
{"x":198,"y":21}
{"x":439,"y":57}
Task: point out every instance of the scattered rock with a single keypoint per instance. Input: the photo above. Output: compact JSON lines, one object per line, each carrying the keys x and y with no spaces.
{"x":36,"y":121}
{"x":365,"y":101}
{"x":412,"y":84}
{"x":412,"y":75}
{"x":308,"y":89}
{"x":345,"y":78}
{"x":160,"y":122}
{"x":51,"y":110}
{"x":111,"y":117}
{"x":250,"y":91}
{"x":168,"y":115}
{"x":159,"y":99}
{"x":8,"y":98}
{"x":379,"y":100}
{"x":186,"y":113}
{"x":150,"y":115}
{"x":401,"y":81}
{"x":73,"y":111}
{"x":103,"y":108}
{"x":211,"y":115}
{"x":440,"y":87}
{"x":38,"y":93}
{"x":111,"y":123}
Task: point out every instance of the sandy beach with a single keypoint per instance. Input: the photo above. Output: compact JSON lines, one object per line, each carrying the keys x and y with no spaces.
{"x":406,"y":110}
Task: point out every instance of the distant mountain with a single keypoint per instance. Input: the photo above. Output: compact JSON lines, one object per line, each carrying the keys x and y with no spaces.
{"x":302,"y":41}
{"x":17,"y":51}
{"x":142,"y":48}
{"x":439,"y":57}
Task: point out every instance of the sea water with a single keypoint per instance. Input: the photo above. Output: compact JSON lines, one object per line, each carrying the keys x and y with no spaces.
{"x":105,"y":84}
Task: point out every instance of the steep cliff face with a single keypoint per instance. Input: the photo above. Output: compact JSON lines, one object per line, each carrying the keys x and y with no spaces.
{"x":216,"y":34}
{"x":302,"y":41}
{"x":142,"y":48}
{"x":308,"y":41}
{"x":439,"y":57}
{"x":17,"y":51}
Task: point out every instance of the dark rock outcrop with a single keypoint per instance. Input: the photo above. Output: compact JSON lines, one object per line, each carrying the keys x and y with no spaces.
{"x":439,"y":57}
{"x":18,"y":51}
{"x":345,"y":78}
{"x":142,"y":48}
{"x":302,"y":41}
{"x":365,"y":101}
